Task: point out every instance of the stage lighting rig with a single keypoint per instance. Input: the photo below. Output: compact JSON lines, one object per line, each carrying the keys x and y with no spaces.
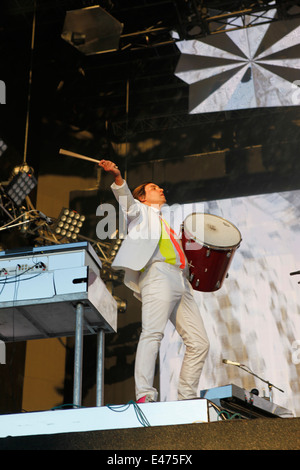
{"x":8,"y":210}
{"x":92,"y":30}
{"x":200,"y":18}
{"x":22,"y":183}
{"x":114,"y":248}
{"x":68,"y":225}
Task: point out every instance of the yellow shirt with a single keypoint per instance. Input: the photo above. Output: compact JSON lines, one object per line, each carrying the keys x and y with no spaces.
{"x":169,"y":249}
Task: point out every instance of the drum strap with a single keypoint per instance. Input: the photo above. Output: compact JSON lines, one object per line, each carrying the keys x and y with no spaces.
{"x":175,"y":243}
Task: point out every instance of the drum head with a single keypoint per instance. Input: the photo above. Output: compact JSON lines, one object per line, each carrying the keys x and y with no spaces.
{"x":212,"y":230}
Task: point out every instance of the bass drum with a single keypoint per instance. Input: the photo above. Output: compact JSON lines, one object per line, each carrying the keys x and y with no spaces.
{"x":209,"y":243}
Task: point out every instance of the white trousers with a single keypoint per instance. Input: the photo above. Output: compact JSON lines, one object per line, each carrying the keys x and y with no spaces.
{"x":167,"y":294}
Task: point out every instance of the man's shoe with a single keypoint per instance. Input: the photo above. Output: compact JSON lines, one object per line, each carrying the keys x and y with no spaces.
{"x":145,"y":399}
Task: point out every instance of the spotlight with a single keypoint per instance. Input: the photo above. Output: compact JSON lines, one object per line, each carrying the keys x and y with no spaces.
{"x":78,"y":39}
{"x":194,"y":31}
{"x":114,"y":248}
{"x":20,"y":186}
{"x":69,"y":224}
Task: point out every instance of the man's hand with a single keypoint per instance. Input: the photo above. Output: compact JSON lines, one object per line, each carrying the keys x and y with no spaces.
{"x":112,"y":168}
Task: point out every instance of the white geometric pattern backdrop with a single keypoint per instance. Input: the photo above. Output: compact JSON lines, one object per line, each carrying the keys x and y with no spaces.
{"x":254,"y":318}
{"x":253,"y":67}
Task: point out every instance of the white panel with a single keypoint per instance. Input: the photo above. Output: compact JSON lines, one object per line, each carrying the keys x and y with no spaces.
{"x":101,"y":418}
{"x":26,"y":287}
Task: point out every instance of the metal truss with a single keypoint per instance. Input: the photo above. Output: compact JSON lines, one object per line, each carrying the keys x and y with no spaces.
{"x":195,"y":18}
{"x":209,"y":18}
{"x":120,"y":129}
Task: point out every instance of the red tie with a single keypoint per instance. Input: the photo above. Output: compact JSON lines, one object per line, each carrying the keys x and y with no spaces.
{"x":172,"y":236}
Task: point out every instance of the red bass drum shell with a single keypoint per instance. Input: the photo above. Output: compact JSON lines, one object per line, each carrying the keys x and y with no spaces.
{"x":209,"y":243}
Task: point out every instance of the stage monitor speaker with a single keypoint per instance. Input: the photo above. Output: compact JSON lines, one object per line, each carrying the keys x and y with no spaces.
{"x":92,"y":30}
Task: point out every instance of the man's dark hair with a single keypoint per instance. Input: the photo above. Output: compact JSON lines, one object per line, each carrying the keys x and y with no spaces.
{"x":139,"y":192}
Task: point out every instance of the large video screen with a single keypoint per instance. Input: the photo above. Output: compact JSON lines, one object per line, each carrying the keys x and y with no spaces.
{"x":244,"y":67}
{"x":254,"y":318}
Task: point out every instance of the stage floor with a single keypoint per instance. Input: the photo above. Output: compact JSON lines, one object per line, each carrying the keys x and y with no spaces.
{"x":107,"y":417}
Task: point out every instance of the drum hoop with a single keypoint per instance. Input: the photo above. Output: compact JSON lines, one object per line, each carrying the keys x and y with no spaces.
{"x":215,"y":247}
{"x":231,"y":247}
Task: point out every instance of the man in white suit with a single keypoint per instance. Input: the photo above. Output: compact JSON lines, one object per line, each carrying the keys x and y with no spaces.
{"x":156,"y":269}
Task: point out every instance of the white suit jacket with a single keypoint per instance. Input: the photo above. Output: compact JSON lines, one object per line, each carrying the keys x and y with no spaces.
{"x":144,"y":231}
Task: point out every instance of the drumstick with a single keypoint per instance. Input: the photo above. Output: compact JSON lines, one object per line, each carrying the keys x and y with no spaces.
{"x":76,"y":155}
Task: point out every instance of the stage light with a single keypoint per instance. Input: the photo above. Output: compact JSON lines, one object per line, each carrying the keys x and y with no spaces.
{"x":92,"y":30}
{"x":69,"y":224}
{"x":20,"y":186}
{"x":3,"y":146}
{"x":194,"y":31}
{"x":114,"y":248}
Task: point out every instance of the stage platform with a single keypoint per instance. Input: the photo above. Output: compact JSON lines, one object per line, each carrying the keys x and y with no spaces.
{"x":174,"y":426}
{"x":107,"y":417}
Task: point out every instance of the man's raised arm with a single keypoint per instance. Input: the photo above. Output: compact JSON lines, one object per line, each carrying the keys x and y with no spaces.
{"x":120,"y":189}
{"x":112,"y":168}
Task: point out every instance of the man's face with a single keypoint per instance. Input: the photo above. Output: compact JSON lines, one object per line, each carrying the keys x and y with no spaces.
{"x":154,"y":195}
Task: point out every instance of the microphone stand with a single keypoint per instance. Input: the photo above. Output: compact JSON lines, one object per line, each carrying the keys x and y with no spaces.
{"x":270,"y":385}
